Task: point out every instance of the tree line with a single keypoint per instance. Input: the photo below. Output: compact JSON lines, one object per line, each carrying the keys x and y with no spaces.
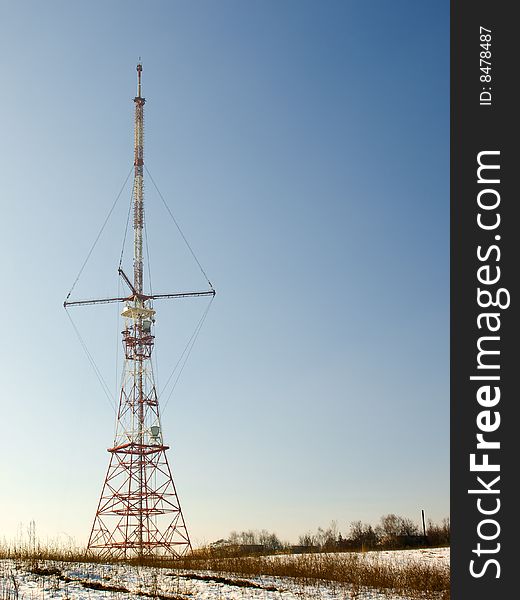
{"x":392,"y":531}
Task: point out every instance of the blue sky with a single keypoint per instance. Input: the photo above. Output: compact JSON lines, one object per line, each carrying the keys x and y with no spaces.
{"x":304,"y":148}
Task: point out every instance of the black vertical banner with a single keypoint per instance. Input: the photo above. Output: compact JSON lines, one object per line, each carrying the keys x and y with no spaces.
{"x":485,"y":344}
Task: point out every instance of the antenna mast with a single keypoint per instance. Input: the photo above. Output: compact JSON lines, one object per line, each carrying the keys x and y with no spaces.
{"x":139,"y":514}
{"x":138,"y":184}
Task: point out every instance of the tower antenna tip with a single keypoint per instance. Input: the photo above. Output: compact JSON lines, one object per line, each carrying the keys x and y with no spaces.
{"x":139,"y":70}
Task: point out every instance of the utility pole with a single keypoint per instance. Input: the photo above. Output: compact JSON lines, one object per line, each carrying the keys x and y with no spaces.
{"x":139,"y":513}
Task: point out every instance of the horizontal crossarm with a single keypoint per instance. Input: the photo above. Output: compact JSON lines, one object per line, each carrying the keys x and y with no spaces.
{"x":181,"y":295}
{"x":140,"y":297}
{"x":100,"y":301}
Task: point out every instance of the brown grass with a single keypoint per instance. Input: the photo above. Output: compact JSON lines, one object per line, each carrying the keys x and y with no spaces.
{"x":357,"y":571}
{"x":353,"y":572}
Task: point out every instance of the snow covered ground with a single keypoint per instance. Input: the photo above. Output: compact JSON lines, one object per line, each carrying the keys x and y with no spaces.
{"x":19,"y":580}
{"x":437,"y":556}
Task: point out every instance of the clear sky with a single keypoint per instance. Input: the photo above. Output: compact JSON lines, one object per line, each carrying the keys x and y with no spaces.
{"x":303,"y":146}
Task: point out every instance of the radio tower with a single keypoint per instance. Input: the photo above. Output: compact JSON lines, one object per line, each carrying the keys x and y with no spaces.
{"x":139,"y":514}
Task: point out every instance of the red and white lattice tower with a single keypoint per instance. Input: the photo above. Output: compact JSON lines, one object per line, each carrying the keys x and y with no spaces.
{"x":139,"y":514}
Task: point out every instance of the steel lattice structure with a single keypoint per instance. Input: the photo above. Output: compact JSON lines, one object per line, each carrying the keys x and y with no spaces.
{"x":139,"y":514}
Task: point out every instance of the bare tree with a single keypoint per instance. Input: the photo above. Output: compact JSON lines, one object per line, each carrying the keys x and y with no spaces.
{"x":390,"y":525}
{"x":307,"y":539}
{"x":363,"y":535}
{"x":407,"y":527}
{"x":269,"y":540}
{"x":438,"y":534}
